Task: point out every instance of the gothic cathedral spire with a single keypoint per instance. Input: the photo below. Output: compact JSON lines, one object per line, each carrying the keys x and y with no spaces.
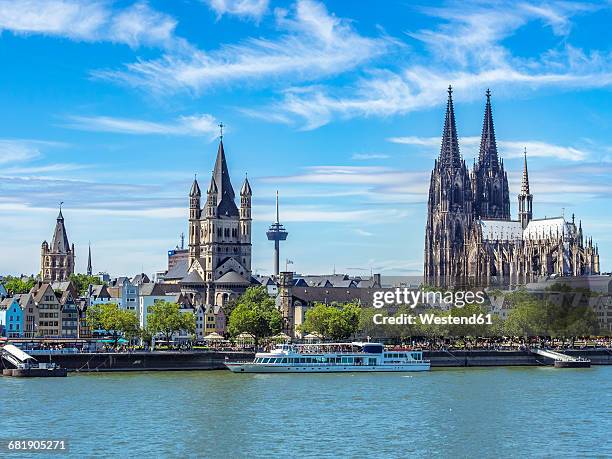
{"x":450,"y":211}
{"x":449,"y":151}
{"x":488,"y":147}
{"x":489,"y":179}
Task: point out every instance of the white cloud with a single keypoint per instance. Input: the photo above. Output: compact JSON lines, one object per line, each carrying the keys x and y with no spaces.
{"x":343,"y":175}
{"x":363,"y":232}
{"x":194,"y":125}
{"x":466,"y":49}
{"x":140,"y":24}
{"x":253,"y":9}
{"x":368,"y":156}
{"x":313,"y":44}
{"x":135,"y":25}
{"x":508,"y":149}
{"x":313,"y":213}
{"x":17,"y":151}
{"x":23,"y":150}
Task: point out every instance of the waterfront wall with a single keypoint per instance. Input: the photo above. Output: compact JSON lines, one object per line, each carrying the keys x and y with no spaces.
{"x":201,"y":360}
{"x":139,"y":361}
{"x":480,"y":358}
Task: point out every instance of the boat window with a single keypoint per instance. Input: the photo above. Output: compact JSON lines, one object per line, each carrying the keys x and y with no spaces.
{"x":373,"y":348}
{"x":265,"y":360}
{"x":284,"y":360}
{"x":302,"y":359}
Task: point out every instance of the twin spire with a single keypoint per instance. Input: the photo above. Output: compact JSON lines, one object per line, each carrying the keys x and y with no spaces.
{"x":488,"y":148}
{"x":449,"y":152}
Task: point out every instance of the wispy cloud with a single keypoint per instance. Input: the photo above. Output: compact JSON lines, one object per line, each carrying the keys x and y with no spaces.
{"x":368,"y":156}
{"x":313,"y":43}
{"x":314,"y":213}
{"x":135,"y":25}
{"x":251,"y":9}
{"x":22,"y":150}
{"x":362,"y":232}
{"x":509,"y":148}
{"x":194,"y":125}
{"x":466,"y":49}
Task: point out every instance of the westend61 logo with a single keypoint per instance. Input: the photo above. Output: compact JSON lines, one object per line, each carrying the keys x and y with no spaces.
{"x":439,"y":299}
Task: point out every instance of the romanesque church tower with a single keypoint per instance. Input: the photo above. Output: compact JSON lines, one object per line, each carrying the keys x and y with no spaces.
{"x":449,"y":209}
{"x":57,"y":259}
{"x":219,"y":236}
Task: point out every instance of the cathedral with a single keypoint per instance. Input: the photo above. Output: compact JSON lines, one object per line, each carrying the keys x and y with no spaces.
{"x":470,"y":236}
{"x":219,"y":263}
{"x":57,"y":259}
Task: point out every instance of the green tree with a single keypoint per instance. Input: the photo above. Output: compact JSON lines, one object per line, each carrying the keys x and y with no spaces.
{"x":16,"y":285}
{"x":316,"y":320}
{"x":83,"y":281}
{"x":116,"y":321}
{"x":528,"y":316}
{"x":166,"y":318}
{"x":255,"y":313}
{"x":333,"y":321}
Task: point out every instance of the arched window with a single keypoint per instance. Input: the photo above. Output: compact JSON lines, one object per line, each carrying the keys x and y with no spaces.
{"x":458,"y":234}
{"x":457,"y":199}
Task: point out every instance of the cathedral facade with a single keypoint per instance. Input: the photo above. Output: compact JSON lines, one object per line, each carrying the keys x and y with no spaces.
{"x":57,"y":259}
{"x":470,"y":236}
{"x":219,"y":263}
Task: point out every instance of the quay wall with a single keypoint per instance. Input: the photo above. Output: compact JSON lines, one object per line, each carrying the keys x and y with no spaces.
{"x":202,"y":360}
{"x":144,"y":361}
{"x":483,"y":358}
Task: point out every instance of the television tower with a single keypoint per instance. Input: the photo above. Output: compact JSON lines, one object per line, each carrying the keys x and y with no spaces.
{"x":277,"y":233}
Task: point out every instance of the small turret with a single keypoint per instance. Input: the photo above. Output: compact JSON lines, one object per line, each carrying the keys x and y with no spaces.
{"x":525,"y":198}
{"x":245,"y":200}
{"x":194,"y":200}
{"x":211,"y":200}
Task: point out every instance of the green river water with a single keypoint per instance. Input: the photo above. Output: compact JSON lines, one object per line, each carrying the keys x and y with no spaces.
{"x":488,"y":412}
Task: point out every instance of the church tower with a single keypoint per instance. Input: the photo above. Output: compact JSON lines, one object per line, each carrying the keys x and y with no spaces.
{"x":219,"y":235}
{"x":449,"y":209}
{"x":57,"y":259}
{"x":489,"y":180}
{"x":525,"y":198}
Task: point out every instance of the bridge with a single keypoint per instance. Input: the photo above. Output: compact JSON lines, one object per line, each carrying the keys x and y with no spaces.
{"x":562,"y":360}
{"x":16,"y":356}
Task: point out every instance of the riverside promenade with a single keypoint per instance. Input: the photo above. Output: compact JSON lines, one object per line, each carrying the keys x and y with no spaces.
{"x":214,"y":360}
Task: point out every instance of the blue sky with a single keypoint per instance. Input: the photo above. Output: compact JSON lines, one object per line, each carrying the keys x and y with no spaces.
{"x":112,"y":107}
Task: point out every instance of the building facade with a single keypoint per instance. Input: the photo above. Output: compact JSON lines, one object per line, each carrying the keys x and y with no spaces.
{"x":11,"y":318}
{"x":219,"y":262}
{"x":57,"y":259}
{"x":470,"y":237}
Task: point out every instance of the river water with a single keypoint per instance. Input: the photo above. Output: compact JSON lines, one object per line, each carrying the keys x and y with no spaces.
{"x":488,"y":412}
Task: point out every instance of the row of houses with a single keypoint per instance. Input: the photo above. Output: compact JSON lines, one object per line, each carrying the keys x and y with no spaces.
{"x":56,"y":310}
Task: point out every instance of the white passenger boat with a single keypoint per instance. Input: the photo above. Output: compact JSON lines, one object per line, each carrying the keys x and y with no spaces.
{"x":334,"y":357}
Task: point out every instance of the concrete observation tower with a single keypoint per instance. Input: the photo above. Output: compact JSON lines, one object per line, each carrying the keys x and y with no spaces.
{"x":276,"y":233}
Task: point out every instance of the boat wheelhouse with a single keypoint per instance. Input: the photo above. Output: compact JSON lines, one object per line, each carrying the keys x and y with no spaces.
{"x":332,"y":357}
